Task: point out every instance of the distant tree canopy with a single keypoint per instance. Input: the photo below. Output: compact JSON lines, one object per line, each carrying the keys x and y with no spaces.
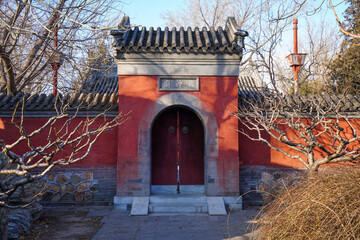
{"x":345,"y":69}
{"x":97,"y":58}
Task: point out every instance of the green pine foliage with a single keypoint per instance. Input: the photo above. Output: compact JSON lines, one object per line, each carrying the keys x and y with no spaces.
{"x":97,"y":59}
{"x":345,"y":69}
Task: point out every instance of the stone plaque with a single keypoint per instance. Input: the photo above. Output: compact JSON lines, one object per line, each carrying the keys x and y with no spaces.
{"x":178,"y":84}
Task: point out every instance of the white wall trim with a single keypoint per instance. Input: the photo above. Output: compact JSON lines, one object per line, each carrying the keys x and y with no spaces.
{"x":179,"y":64}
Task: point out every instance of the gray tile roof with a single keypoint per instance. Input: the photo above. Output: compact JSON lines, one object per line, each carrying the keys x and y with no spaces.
{"x":229,"y":40}
{"x":97,"y":94}
{"x":253,"y":90}
{"x":103,"y":82}
{"x":349,"y":104}
{"x":247,"y":85}
{"x":42,"y":102}
{"x":95,"y":102}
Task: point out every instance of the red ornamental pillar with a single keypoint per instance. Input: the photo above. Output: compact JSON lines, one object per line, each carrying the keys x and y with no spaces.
{"x":295,"y":22}
{"x":296,"y":59}
{"x":55,"y":62}
{"x":55,"y":78}
{"x":296,"y":68}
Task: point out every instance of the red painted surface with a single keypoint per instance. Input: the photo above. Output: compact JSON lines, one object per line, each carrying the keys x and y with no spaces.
{"x":103,"y":152}
{"x":253,"y":153}
{"x":261,"y":154}
{"x":164,"y":149}
{"x":191,"y":148}
{"x":138,"y":93}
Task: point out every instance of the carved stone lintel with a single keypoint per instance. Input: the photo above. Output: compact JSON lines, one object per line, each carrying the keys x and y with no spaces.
{"x":178,"y":84}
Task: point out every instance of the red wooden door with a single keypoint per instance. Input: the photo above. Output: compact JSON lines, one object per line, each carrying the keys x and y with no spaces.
{"x":177,"y":148}
{"x":163,"y":144}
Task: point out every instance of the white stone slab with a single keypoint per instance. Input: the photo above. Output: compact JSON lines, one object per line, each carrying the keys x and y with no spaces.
{"x":216,"y":206}
{"x":140,"y":206}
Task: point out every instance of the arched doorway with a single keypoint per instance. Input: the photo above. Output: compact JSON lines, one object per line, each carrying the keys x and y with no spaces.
{"x":177,"y":151}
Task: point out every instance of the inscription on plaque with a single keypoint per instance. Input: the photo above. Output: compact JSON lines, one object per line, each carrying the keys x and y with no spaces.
{"x":178,"y":84}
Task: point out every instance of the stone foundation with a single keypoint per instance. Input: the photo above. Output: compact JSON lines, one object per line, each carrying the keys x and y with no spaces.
{"x":95,"y":184}
{"x":257,"y":181}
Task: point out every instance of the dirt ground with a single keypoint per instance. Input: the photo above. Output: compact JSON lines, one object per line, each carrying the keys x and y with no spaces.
{"x":68,"y":223}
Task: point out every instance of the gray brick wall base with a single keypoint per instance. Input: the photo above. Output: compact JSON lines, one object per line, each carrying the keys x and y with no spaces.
{"x":257,"y":181}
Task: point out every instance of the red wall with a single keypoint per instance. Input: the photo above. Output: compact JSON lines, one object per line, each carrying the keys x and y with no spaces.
{"x":251,"y":152}
{"x":103,"y":152}
{"x":260,"y":154}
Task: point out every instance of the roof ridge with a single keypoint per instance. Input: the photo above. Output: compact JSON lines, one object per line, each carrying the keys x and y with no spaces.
{"x":229,"y":40}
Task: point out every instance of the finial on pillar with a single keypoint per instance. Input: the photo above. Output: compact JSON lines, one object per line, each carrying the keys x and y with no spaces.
{"x":295,"y":28}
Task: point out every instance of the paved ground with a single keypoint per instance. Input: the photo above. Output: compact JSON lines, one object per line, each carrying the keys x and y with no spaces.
{"x":118,"y":225}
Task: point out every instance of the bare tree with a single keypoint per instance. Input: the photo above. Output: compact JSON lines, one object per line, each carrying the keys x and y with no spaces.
{"x":63,"y":131}
{"x":264,"y":19}
{"x":196,"y":13}
{"x":267,"y":22}
{"x":313,"y":130}
{"x":36,"y":32}
{"x":343,"y":29}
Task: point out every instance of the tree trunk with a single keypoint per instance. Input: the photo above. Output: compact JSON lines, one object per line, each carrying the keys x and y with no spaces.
{"x":9,"y":72}
{"x":4,"y":217}
{"x":313,"y":169}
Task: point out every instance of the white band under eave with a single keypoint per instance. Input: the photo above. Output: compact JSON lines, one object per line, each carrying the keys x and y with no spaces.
{"x":178,"y":64}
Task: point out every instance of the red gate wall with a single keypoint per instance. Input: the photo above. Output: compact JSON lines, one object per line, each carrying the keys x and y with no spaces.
{"x":138,"y":93}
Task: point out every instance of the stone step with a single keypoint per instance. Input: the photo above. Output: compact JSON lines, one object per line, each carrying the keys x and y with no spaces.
{"x":178,"y":204}
{"x":177,"y":208}
{"x":172,"y":189}
{"x":193,"y":203}
{"x":178,"y":199}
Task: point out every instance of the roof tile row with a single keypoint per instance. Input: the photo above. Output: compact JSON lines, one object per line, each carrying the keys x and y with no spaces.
{"x":43,"y":102}
{"x":136,"y":40}
{"x":347,"y":104}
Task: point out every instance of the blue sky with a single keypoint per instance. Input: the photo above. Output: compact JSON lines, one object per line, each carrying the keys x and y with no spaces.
{"x":148,"y":12}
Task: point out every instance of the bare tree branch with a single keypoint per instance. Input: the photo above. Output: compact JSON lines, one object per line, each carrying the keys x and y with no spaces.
{"x":27,"y":31}
{"x":342,"y":29}
{"x":311,"y":130}
{"x":62,"y":131}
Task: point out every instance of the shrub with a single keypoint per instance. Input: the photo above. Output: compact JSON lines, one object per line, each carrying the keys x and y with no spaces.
{"x":322,"y":205}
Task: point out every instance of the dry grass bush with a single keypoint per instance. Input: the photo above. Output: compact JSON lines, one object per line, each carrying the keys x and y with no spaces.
{"x":322,"y":205}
